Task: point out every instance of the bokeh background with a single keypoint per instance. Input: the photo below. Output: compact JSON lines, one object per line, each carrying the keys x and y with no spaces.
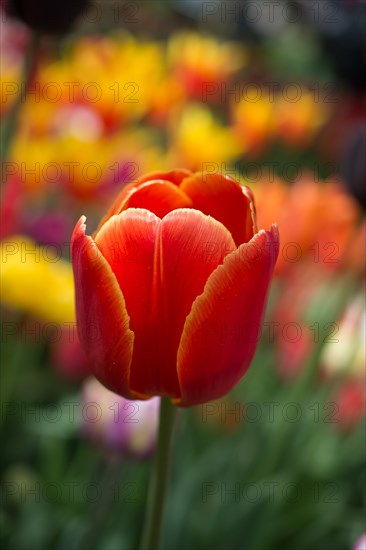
{"x":272,"y":93}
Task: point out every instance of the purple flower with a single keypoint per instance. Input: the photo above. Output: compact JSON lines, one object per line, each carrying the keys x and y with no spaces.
{"x":129,"y":427}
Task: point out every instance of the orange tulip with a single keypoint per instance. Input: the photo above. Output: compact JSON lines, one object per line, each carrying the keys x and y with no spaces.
{"x":174,"y":276}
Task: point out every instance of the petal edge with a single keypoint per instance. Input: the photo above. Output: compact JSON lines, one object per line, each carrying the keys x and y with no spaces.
{"x":215,"y":349}
{"x":103,"y":321}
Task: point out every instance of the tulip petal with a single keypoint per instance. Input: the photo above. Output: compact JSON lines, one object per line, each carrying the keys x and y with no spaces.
{"x":173,"y":259}
{"x":103,"y":322}
{"x":174,"y":176}
{"x":220,"y":333}
{"x":159,"y":197}
{"x":127,"y":241}
{"x":116,"y":206}
{"x":225,"y":200}
{"x":192,"y":246}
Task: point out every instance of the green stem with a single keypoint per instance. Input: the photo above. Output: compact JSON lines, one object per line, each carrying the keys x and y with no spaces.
{"x":11,"y":122}
{"x":159,"y":478}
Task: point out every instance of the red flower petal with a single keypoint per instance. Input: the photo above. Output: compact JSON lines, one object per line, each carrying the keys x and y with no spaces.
{"x":174,"y":176}
{"x":191,"y":246}
{"x":159,"y":197}
{"x":178,"y":201}
{"x":127,"y":242}
{"x":103,"y":322}
{"x":116,"y":205}
{"x":221,"y":331}
{"x":172,"y":260}
{"x":225,"y":200}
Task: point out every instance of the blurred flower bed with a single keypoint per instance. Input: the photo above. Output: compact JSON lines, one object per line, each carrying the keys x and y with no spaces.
{"x":279,"y":462}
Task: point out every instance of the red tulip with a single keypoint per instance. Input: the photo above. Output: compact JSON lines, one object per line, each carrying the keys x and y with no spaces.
{"x":172,"y":281}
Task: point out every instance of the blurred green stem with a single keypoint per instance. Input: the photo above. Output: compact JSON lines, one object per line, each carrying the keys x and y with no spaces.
{"x":109,"y":469}
{"x":10,"y":125}
{"x":302,"y":387}
{"x":12,"y":355}
{"x":159,"y":478}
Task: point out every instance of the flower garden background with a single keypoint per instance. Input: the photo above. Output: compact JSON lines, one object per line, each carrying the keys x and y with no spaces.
{"x":263,"y":93}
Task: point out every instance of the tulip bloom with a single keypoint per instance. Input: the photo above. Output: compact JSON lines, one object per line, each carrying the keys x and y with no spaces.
{"x":173,"y":285}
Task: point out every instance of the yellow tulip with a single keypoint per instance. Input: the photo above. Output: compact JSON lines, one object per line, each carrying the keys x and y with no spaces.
{"x":36,"y":280}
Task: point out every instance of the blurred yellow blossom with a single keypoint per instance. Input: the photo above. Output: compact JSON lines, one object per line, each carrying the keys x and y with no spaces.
{"x":253,"y":122}
{"x":198,"y":138}
{"x":36,"y":280}
{"x":82,"y":166}
{"x":199,"y":60}
{"x":116,"y":77}
{"x":259,"y":115}
{"x":296,"y":122}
